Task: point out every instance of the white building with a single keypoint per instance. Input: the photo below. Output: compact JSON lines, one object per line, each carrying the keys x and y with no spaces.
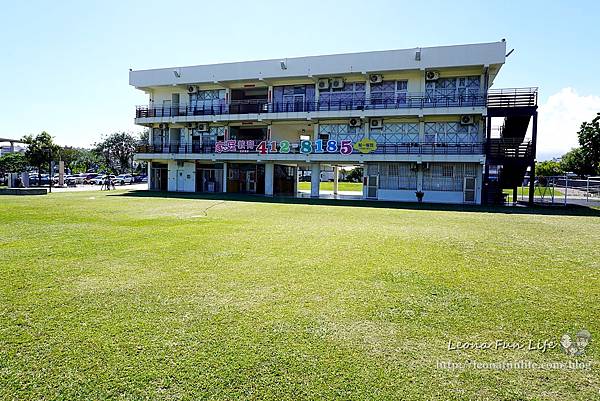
{"x":417,"y":120}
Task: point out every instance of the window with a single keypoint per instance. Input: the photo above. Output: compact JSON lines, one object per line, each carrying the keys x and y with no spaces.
{"x":451,"y":132}
{"x":453,"y":90}
{"x":397,"y":176}
{"x":447,"y":176}
{"x":348,"y":97}
{"x":388,"y":93}
{"x":393,"y":133}
{"x":340,"y":132}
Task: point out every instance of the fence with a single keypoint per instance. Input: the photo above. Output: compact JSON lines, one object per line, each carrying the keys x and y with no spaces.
{"x":561,"y":190}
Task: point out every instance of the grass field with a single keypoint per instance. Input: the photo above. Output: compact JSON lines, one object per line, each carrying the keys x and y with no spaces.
{"x":125,"y":297}
{"x":328,"y":186}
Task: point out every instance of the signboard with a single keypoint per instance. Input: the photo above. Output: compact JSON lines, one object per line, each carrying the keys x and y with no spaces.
{"x":344,"y":147}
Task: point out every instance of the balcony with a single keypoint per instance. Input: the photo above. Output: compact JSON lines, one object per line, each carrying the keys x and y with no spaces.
{"x":406,"y":101}
{"x":415,"y":148}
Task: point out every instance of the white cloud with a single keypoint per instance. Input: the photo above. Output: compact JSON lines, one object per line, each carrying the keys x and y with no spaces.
{"x":559,"y":120}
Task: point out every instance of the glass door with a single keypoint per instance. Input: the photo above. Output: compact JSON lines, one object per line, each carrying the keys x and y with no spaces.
{"x":469,"y":190}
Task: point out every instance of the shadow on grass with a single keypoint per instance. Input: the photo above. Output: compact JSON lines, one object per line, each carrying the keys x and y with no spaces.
{"x":570,"y":210}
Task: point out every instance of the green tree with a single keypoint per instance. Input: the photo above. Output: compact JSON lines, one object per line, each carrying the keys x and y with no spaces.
{"x":40,"y":151}
{"x":574,"y":162}
{"x":78,"y":160}
{"x":117,"y":151}
{"x":589,"y":142}
{"x":13,"y":163}
{"x":548,"y":168}
{"x":356,"y":175}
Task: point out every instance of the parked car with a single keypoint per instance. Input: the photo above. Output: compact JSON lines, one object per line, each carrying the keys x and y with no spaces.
{"x":99,"y":180}
{"x":123,"y":179}
{"x":139,"y":177}
{"x":88,"y":177}
{"x":73,"y":180}
{"x":144,"y":178}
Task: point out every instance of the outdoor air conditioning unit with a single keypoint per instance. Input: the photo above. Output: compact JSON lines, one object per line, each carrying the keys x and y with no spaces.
{"x":192,"y":89}
{"x":467,"y":120}
{"x":203,"y":127}
{"x":191,"y":125}
{"x":163,"y":125}
{"x":355,"y":122}
{"x":337,"y":83}
{"x":432,"y":75}
{"x":375,"y":78}
{"x":323,"y":83}
{"x":376,"y":123}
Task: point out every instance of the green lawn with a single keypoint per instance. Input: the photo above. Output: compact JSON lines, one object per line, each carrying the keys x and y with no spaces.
{"x":113,"y":297}
{"x":328,"y":186}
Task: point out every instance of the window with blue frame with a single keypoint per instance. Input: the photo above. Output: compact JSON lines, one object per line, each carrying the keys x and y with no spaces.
{"x":293,"y":98}
{"x":451,"y":133}
{"x":340,"y":132}
{"x":208,"y":102}
{"x":350,"y":97}
{"x":453,"y":91}
{"x":396,"y":133}
{"x":389,"y":93}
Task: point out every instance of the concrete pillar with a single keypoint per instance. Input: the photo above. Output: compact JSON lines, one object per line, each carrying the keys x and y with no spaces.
{"x":420,"y":168}
{"x":149,"y":173}
{"x":315,"y":179}
{"x":336,"y":172}
{"x":269,"y":169}
{"x":61,"y":173}
{"x":224,"y":176}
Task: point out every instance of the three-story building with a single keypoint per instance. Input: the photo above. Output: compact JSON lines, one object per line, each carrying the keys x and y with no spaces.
{"x":417,"y":120}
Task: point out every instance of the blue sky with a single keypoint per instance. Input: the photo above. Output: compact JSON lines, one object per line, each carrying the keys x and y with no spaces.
{"x":64,"y":65}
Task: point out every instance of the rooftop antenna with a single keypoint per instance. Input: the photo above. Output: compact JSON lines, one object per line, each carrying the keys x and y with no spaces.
{"x":509,"y":53}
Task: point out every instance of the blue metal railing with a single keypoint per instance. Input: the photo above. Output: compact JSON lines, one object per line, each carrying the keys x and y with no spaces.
{"x":403,"y":101}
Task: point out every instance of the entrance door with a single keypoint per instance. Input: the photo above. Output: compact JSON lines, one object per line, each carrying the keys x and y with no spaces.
{"x":251,"y":181}
{"x":180,"y":181}
{"x":175,"y":104}
{"x":298,"y":103}
{"x":372,"y":184}
{"x":469,"y":190}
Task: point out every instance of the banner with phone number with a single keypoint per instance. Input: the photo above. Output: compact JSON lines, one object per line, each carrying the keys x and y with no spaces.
{"x":344,"y":147}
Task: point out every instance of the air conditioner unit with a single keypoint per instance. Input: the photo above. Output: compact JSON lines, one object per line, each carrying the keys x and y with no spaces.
{"x":203,"y":127}
{"x":355,"y":122}
{"x":337,"y":83}
{"x":376,"y":123}
{"x":163,"y":125}
{"x":467,"y":120}
{"x":375,"y":78}
{"x":323,"y":83}
{"x":191,"y":125}
{"x":192,"y":89}
{"x":432,"y":75}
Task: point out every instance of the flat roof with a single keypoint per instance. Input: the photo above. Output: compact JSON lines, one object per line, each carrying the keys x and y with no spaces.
{"x":480,"y":54}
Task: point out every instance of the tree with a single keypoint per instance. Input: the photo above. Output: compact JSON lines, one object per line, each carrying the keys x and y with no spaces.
{"x":12,"y":163}
{"x":78,"y":160}
{"x":39,"y":151}
{"x":356,"y":175}
{"x":548,"y":168}
{"x":117,"y":151}
{"x":574,"y":162}
{"x":589,"y":141}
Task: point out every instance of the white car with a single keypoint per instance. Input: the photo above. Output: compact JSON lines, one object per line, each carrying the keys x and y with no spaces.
{"x":123,"y":179}
{"x":101,"y":178}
